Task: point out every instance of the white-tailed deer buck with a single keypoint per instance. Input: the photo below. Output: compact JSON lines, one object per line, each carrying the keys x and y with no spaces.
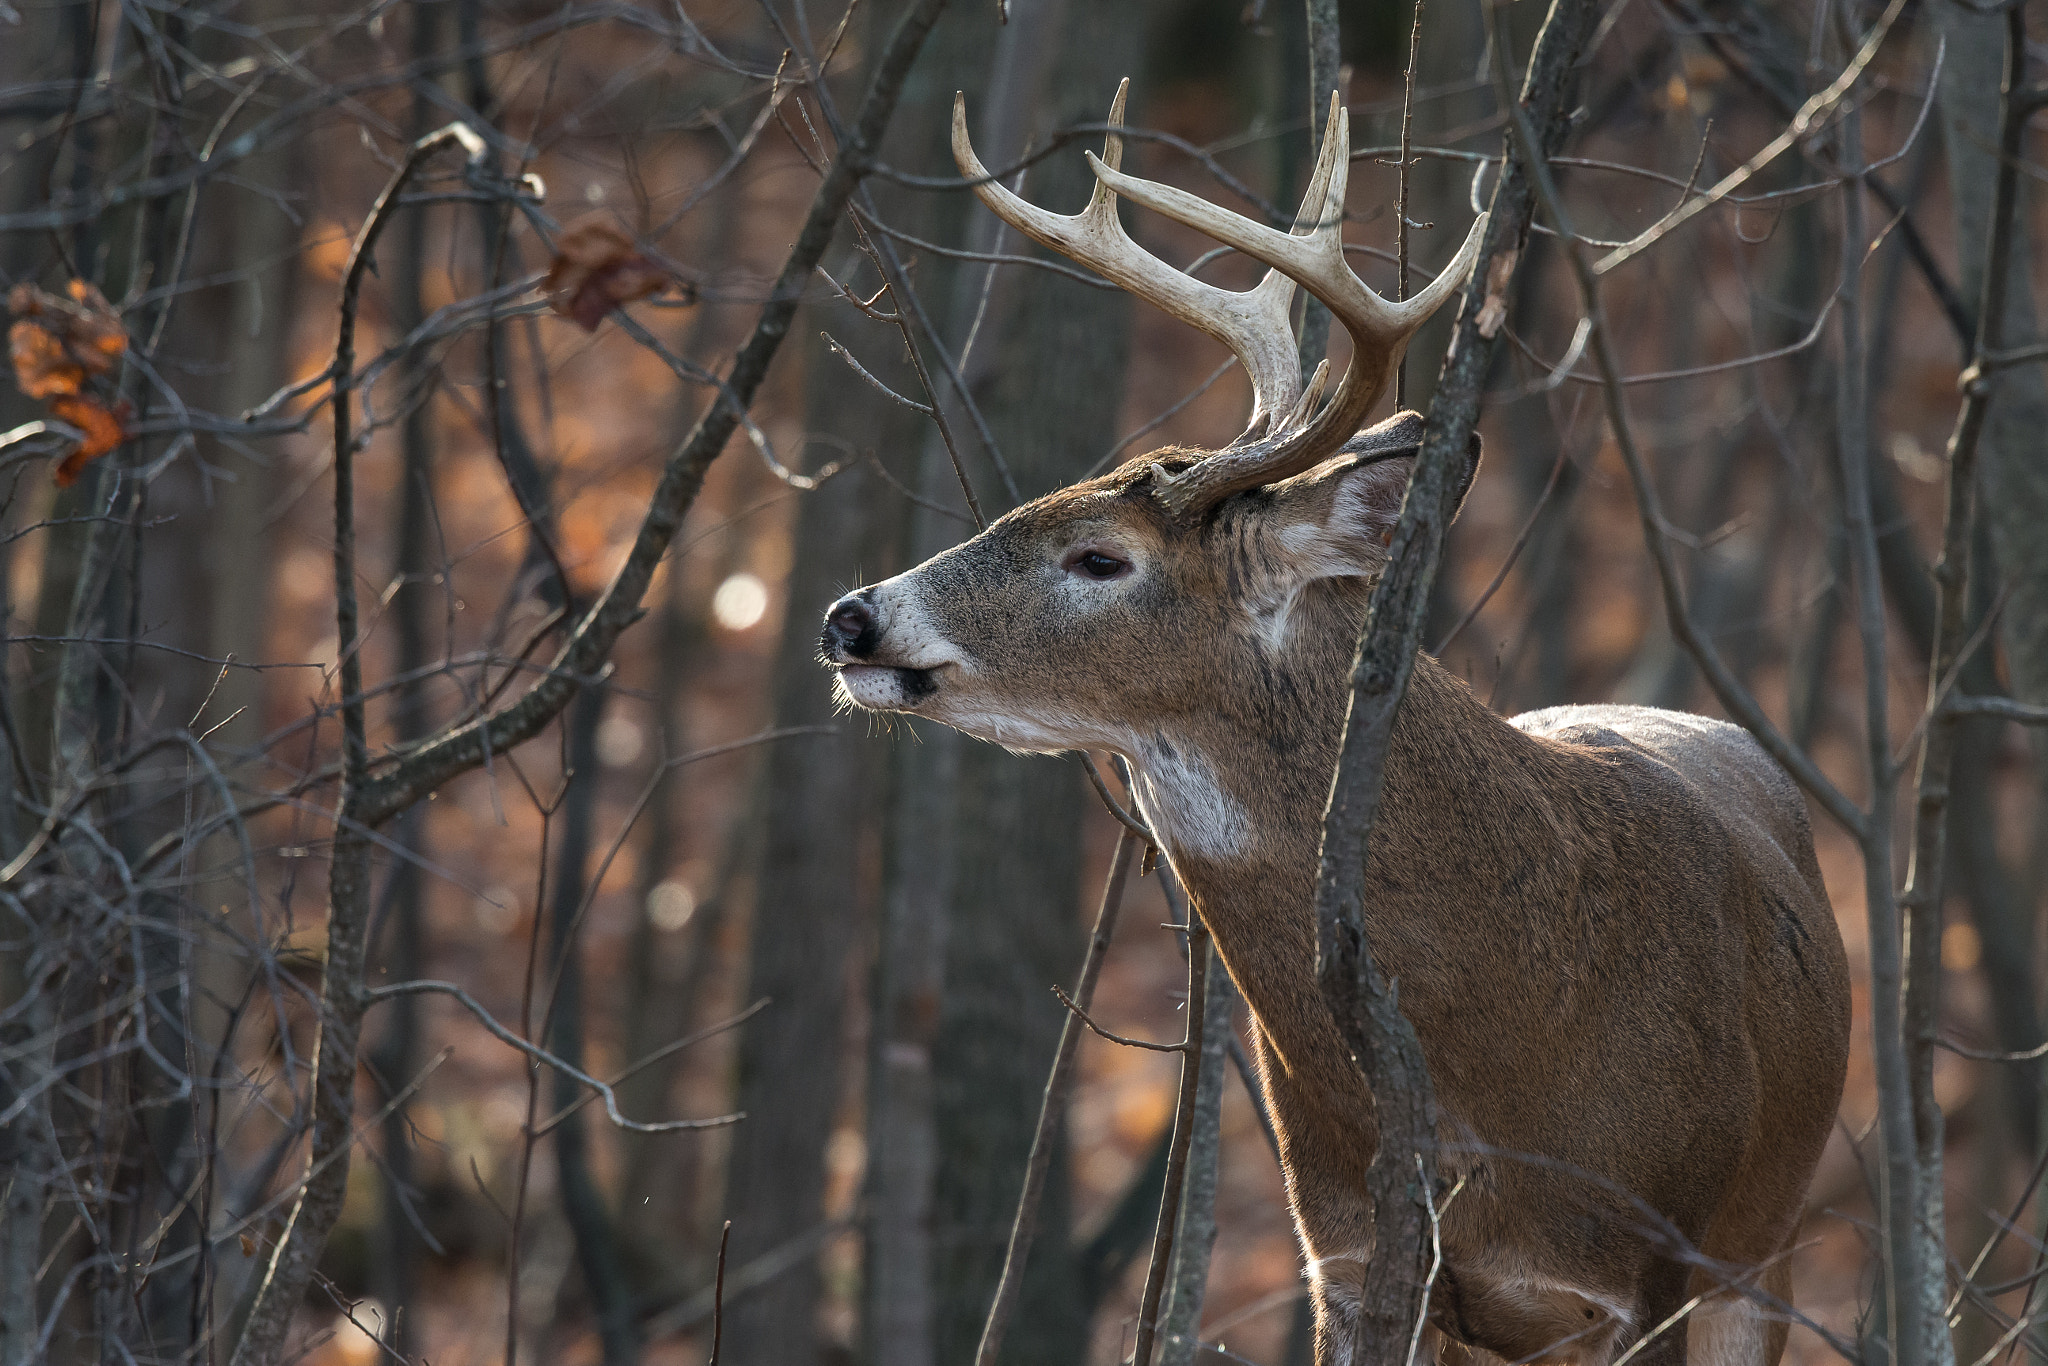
{"x":1607,"y":922}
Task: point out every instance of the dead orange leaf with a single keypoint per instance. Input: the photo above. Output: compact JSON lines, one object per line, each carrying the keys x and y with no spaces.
{"x":104,"y":428}
{"x":596,"y":268}
{"x":57,"y":344}
{"x":78,"y":329}
{"x":42,"y":367}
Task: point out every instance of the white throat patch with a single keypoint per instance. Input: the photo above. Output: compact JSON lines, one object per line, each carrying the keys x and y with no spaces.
{"x":1182,"y":800}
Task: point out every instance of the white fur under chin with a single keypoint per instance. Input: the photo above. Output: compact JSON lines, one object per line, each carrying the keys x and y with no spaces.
{"x":874,"y":689}
{"x":1182,"y":800}
{"x":1053,"y":733}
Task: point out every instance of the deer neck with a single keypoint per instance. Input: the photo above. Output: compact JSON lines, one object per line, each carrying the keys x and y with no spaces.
{"x":1239,"y":805}
{"x":1238,"y":795}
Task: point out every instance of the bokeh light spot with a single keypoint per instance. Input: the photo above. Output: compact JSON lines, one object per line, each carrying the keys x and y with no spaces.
{"x":740,"y":602}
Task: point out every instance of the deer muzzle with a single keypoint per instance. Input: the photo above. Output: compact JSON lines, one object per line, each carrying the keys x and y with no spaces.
{"x":886,"y":656}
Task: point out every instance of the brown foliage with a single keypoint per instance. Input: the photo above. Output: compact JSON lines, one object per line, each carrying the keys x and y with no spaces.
{"x":58,"y":343}
{"x":597,"y":267}
{"x":104,"y":428}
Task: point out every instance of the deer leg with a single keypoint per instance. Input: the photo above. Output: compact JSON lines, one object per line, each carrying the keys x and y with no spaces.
{"x":1324,"y":1153}
{"x":1665,"y":1291}
{"x":1733,"y":1328}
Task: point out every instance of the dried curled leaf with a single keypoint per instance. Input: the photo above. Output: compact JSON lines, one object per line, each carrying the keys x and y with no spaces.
{"x":57,"y":341}
{"x":596,"y":268}
{"x":42,"y":368}
{"x":104,"y":428}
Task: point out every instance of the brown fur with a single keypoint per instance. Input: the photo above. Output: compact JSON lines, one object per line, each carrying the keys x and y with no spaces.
{"x":1607,"y":923}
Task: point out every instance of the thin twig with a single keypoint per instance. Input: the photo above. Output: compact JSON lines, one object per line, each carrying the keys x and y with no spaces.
{"x":1052,"y":1109}
{"x":718,"y":1295}
{"x":544,"y":1057}
{"x":1116,"y":808}
{"x":1514,"y":554}
{"x":1183,"y":1135}
{"x":884,"y":390}
{"x":1086,"y":1019}
{"x":2004,"y":708}
{"x":1810,"y":114}
{"x":1401,"y":223}
{"x":1160,"y":419}
{"x":1436,"y":1247}
{"x":903,"y":298}
{"x":667,"y":1050}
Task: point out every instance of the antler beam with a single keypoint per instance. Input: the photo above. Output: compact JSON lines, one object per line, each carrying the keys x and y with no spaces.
{"x":1286,"y":433}
{"x":1252,"y":323}
{"x":1379,"y":329}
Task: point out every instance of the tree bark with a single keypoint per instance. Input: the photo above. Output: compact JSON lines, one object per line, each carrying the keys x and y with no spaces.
{"x":583,"y":1201}
{"x":812,"y":896}
{"x":1056,"y":356}
{"x":814,"y":891}
{"x":2015,"y":482}
{"x":1194,"y":1237}
{"x":904,"y":1251}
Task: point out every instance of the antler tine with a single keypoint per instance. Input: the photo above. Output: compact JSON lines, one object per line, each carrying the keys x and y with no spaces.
{"x":1253,"y":323}
{"x":1379,"y":329}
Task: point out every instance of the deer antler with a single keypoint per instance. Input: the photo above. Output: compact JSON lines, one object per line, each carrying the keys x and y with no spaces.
{"x":1252,"y":323}
{"x":1379,"y":329}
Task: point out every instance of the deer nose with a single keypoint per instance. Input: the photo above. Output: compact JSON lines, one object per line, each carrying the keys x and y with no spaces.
{"x":851,"y":628}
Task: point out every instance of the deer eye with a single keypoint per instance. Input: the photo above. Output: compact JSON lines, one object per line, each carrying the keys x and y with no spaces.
{"x":1095,"y":564}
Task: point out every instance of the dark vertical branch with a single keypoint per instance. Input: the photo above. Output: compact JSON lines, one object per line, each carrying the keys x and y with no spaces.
{"x":348,"y":879}
{"x":1970,"y":109}
{"x":1183,"y":1140}
{"x":1921,"y":903}
{"x":1194,"y":1238}
{"x":1365,"y":1005}
{"x":395,"y":1269}
{"x":523,"y":473}
{"x":597,"y":1244}
{"x":1914,"y":1270}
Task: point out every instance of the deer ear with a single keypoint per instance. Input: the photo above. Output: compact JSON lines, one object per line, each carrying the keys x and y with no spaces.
{"x":1335,"y":520}
{"x":1338,"y":519}
{"x":1401,"y":435}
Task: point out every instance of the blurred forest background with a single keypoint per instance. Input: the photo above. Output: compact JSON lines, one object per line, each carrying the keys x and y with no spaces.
{"x":697,"y":880}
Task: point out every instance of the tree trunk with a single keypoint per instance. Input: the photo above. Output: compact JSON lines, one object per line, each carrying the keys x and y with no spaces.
{"x":1194,"y":1236}
{"x":583,"y":1201}
{"x":1055,"y":358}
{"x":812,"y":897}
{"x":2015,"y":483}
{"x":814,"y":889}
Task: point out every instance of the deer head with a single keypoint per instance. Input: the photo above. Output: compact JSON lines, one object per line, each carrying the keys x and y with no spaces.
{"x":1100,"y":614}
